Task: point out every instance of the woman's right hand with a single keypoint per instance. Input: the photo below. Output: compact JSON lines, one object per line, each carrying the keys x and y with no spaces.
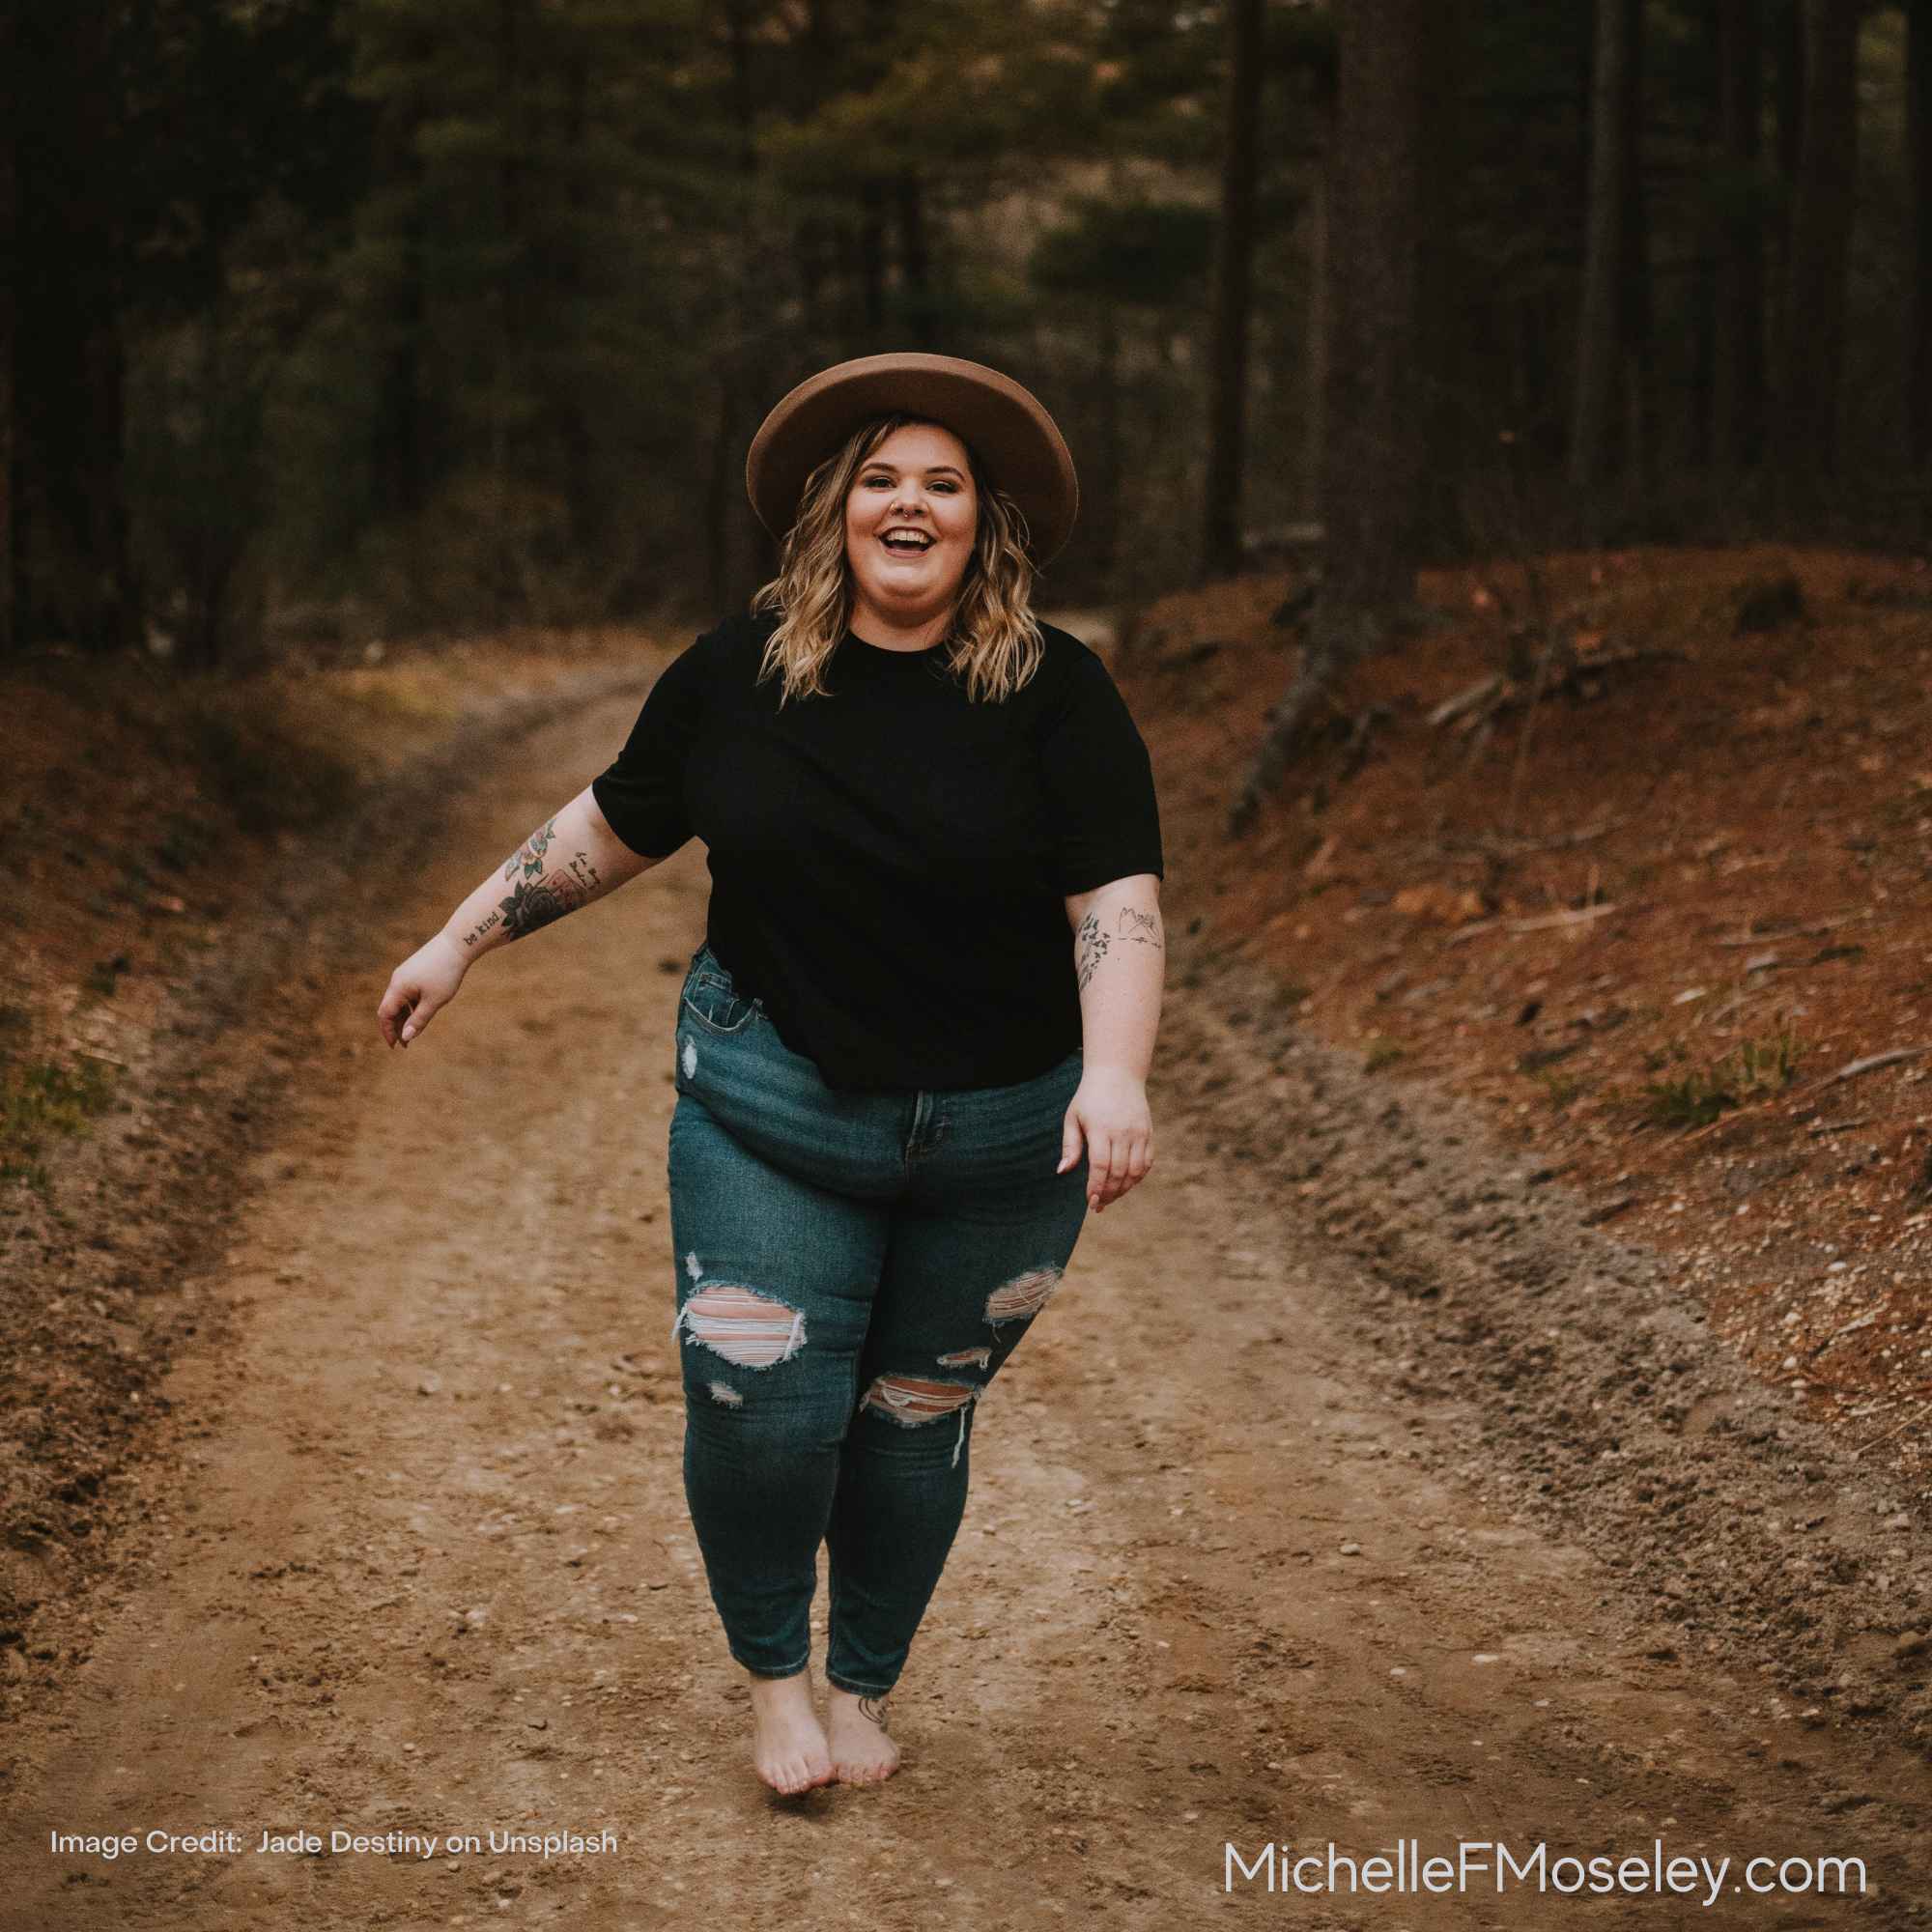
{"x":424,"y":983}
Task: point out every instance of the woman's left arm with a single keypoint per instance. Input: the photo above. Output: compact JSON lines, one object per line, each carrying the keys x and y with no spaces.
{"x":1120,"y":959}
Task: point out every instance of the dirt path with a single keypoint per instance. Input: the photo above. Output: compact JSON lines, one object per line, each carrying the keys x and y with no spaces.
{"x":1221,"y":1580}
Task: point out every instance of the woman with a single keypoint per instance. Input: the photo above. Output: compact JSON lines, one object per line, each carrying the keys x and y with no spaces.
{"x":912,"y":1051}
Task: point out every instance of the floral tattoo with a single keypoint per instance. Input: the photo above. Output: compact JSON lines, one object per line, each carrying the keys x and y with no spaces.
{"x":541,"y":893}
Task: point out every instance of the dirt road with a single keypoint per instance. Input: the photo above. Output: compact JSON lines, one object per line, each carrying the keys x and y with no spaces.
{"x":1237,"y":1567}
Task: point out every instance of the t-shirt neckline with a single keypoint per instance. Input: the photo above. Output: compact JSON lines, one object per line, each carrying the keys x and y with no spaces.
{"x":872,"y":650}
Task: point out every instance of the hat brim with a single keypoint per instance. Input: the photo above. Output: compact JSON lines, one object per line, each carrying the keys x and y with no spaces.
{"x":1009,"y":429}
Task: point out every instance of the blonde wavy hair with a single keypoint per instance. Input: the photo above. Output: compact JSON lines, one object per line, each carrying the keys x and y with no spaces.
{"x":996,"y":640}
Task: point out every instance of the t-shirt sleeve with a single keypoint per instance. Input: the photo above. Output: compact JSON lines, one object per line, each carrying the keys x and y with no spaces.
{"x":1099,"y":784}
{"x":641,"y":794}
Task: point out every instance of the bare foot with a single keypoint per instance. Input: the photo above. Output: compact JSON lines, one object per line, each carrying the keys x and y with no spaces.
{"x":787,"y":1742}
{"x":862,"y":1754}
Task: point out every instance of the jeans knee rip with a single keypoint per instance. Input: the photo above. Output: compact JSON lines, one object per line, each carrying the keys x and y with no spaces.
{"x":913,"y":1400}
{"x":753,"y":1330}
{"x":1026,"y":1294}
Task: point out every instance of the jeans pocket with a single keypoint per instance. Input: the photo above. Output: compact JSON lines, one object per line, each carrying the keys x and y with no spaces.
{"x":715,"y":1004}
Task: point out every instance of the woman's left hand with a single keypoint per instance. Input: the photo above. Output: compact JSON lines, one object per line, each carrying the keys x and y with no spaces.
{"x":1109,"y":1115}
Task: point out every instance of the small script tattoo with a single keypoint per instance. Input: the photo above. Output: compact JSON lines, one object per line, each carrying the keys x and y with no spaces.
{"x":874,"y":1707}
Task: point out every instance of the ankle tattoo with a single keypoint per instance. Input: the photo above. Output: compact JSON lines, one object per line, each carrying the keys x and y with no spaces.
{"x":874,"y":1707}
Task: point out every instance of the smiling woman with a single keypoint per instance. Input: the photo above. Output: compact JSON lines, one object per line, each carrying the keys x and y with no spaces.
{"x":913,"y":1049}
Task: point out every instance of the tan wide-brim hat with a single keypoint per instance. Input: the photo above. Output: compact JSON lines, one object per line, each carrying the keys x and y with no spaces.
{"x":1008,"y":427}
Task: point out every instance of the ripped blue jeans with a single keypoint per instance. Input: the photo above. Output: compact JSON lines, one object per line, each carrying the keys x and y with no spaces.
{"x":852,"y":1271}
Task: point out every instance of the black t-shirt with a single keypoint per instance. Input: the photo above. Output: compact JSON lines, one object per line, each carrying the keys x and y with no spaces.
{"x":889,"y":863}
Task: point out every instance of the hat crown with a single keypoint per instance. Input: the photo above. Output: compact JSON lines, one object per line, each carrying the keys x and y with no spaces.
{"x":1005,"y":425}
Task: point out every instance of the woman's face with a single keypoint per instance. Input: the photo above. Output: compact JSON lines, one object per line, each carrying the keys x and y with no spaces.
{"x":918,"y":483}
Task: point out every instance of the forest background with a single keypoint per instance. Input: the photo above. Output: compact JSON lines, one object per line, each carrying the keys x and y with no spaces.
{"x":361,"y":318}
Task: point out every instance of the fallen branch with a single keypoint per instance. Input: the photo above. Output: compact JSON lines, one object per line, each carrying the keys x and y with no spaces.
{"x":1451,"y":708}
{"x":1537,"y":923}
{"x":1569,"y":916}
{"x":1890,"y":1432}
{"x":1484,"y":701}
{"x":1872,"y":1061}
{"x":1799,"y":931}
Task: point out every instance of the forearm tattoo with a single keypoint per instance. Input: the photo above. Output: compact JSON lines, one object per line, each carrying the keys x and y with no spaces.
{"x":540,"y":892}
{"x":1132,"y":927}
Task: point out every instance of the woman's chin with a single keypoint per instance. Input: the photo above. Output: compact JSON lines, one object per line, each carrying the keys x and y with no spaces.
{"x":910,"y":602}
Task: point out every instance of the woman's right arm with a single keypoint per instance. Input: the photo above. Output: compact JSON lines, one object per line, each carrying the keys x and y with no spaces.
{"x":566,"y":863}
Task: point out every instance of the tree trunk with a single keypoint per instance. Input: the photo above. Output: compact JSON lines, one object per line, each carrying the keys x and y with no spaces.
{"x":1607,"y":240}
{"x":574,"y":434}
{"x":920,"y":312}
{"x":1737,"y":364}
{"x":1233,"y":275}
{"x":1441,"y":292}
{"x":1918,"y":175}
{"x":1821,"y":224}
{"x":9,"y":253}
{"x":1785,"y":40}
{"x":1639,"y":447}
{"x":872,"y":257}
{"x":1372,"y":463}
{"x":1705,"y":239}
{"x":813,"y":245}
{"x":1104,"y":542}
{"x":1315,"y":435}
{"x":512,"y":584}
{"x":725,"y":517}
{"x":111,"y":621}
{"x":401,"y":431}
{"x":1371,"y":460}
